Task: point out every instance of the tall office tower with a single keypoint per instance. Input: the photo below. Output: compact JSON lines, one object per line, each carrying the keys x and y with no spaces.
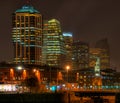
{"x":94,"y":53}
{"x":95,"y":60}
{"x":68,"y":40}
{"x":27,"y":35}
{"x":53,"y":44}
{"x":105,"y":53}
{"x":80,"y":55}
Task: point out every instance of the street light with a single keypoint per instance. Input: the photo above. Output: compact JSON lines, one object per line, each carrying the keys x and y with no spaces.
{"x":11,"y":74}
{"x":68,"y":94}
{"x":37,"y":74}
{"x":67,"y":67}
{"x":19,"y":76}
{"x":24,"y":74}
{"x":19,"y":68}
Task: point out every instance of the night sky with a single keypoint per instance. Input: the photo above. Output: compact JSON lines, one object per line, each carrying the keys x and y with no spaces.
{"x":88,"y":20}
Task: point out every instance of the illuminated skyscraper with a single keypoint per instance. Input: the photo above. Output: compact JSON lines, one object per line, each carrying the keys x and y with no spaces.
{"x":27,"y":35}
{"x":68,"y":40}
{"x":53,"y":44}
{"x":80,"y":55}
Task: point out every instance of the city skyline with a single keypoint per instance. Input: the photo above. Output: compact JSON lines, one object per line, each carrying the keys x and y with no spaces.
{"x":88,"y":21}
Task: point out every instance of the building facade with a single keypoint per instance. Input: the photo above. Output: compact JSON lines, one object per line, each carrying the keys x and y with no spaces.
{"x":109,"y":79}
{"x":95,"y":59}
{"x":27,"y":35}
{"x":53,"y":44}
{"x":68,"y":40}
{"x":80,"y":56}
{"x":103,"y":46}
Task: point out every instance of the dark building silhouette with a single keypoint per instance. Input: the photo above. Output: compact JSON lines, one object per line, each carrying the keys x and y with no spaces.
{"x":80,"y":55}
{"x":105,"y":53}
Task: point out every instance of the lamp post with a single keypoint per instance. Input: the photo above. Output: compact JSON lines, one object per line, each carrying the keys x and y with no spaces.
{"x":11,"y":77}
{"x":11,"y":74}
{"x":67,"y":67}
{"x":68,"y":94}
{"x":19,"y":68}
{"x":19,"y":77}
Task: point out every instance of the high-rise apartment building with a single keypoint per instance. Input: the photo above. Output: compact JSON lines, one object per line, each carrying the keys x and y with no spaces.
{"x":80,"y":55}
{"x":68,"y":40}
{"x":27,"y":35}
{"x":53,"y":44}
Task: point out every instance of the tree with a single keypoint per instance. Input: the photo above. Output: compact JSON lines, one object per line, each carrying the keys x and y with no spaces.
{"x":32,"y":83}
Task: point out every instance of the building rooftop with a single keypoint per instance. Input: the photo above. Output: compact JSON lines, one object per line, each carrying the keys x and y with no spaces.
{"x":27,"y":9}
{"x":67,"y":34}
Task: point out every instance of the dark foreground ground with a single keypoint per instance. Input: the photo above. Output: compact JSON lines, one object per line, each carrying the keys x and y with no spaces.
{"x":33,"y":98}
{"x":46,"y":98}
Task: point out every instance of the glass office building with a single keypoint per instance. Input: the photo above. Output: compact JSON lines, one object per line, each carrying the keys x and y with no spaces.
{"x":68,"y":40}
{"x":80,"y":56}
{"x":27,"y":35}
{"x":53,"y":43}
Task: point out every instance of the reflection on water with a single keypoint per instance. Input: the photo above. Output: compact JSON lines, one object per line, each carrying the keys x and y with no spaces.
{"x":101,"y":99}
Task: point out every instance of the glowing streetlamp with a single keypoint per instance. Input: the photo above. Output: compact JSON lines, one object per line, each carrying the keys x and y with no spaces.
{"x":11,"y":74}
{"x":34,"y":70}
{"x":37,"y":74}
{"x":24,"y":74}
{"x":68,"y":94}
{"x":67,"y":67}
{"x":19,"y":68}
